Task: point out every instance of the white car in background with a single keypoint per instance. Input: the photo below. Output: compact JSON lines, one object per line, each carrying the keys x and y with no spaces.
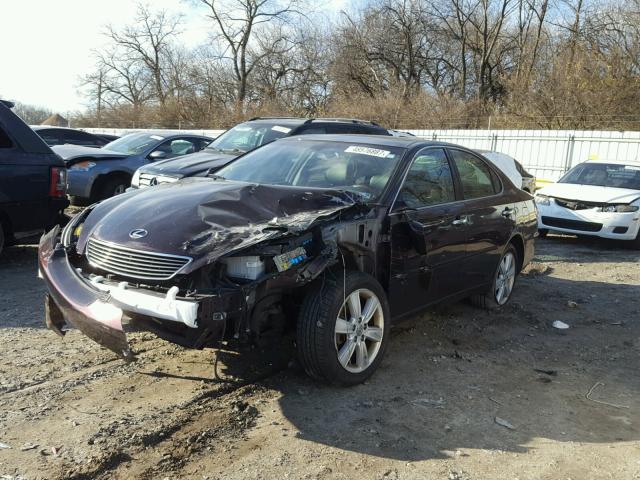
{"x":598,"y":198}
{"x":512,"y":168}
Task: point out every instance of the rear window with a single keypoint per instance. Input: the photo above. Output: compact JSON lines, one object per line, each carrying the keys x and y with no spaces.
{"x":5,"y":141}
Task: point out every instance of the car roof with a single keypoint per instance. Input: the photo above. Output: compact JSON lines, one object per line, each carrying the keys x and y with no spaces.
{"x":379,"y":140}
{"x":166,"y":135}
{"x":297,"y":121}
{"x":43,"y":127}
{"x":618,"y":162}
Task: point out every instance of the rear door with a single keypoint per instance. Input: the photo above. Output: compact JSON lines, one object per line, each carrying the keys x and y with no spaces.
{"x":490,"y":219}
{"x":428,"y":234}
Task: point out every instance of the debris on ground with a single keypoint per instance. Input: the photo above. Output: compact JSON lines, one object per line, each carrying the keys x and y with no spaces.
{"x":572,"y":304}
{"x":560,"y":325}
{"x":504,"y":423}
{"x":588,"y":397}
{"x":546,"y":372}
{"x":29,"y":446}
{"x":4,"y":445}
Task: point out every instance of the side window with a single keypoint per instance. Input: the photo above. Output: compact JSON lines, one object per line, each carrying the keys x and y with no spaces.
{"x":177,"y":147}
{"x":476,"y":177}
{"x":313,"y":131}
{"x":50,"y":137}
{"x":429,"y":180}
{"x":78,"y":138}
{"x":343,"y":129}
{"x":5,"y":141}
{"x":200,"y":143}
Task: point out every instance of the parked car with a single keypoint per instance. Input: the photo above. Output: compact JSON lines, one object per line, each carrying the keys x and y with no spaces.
{"x":99,"y":173}
{"x":33,"y":181}
{"x":335,"y":236}
{"x":513,"y":169}
{"x":69,"y":136}
{"x":597,"y":198}
{"x":243,"y":138}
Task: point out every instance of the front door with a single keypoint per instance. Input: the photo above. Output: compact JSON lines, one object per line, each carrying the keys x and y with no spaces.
{"x":428,"y":234}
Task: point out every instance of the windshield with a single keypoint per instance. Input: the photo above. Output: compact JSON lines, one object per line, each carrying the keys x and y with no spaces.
{"x":604,"y":175}
{"x":245,"y":137}
{"x":365,"y":169}
{"x":134,"y":143}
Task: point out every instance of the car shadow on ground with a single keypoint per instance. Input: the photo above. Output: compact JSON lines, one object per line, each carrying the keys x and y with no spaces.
{"x":585,"y":249}
{"x":459,"y":378}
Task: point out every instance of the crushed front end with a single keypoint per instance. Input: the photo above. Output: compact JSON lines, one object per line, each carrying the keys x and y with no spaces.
{"x":198,"y":299}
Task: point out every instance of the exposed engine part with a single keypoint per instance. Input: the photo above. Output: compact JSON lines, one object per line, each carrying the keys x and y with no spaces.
{"x":248,"y":268}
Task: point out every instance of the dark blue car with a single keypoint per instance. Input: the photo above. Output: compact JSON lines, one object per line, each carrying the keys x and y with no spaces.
{"x":99,"y":173}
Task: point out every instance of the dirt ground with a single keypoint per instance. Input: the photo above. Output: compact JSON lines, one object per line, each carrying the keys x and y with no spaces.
{"x":462,"y":393}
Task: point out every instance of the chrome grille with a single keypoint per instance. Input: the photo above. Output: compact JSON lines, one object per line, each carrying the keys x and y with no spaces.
{"x":134,"y":263}
{"x":149,"y":179}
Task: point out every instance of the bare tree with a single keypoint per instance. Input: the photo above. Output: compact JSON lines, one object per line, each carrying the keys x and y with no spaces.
{"x":147,"y":42}
{"x":238,"y":27}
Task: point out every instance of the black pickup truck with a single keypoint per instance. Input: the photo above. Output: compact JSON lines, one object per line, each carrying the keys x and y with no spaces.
{"x":33,"y":180}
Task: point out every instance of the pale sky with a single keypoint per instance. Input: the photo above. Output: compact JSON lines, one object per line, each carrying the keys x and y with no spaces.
{"x":46,"y":45}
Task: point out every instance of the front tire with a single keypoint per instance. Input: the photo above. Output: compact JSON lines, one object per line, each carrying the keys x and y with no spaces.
{"x":503,"y":282}
{"x":112,"y":187}
{"x":636,"y":243}
{"x":343,"y":328}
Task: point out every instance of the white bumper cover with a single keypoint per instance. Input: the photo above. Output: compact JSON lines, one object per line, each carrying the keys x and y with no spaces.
{"x":608,"y":220}
{"x":165,"y":308}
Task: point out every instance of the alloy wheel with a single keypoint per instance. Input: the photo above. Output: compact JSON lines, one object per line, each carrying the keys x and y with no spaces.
{"x":505,"y":278}
{"x":359,"y":330}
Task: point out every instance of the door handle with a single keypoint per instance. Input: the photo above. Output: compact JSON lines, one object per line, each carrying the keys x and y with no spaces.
{"x":507,"y":212}
{"x":460,"y":221}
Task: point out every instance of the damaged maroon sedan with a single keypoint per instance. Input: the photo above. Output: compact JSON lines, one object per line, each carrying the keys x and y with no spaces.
{"x":330,"y":237}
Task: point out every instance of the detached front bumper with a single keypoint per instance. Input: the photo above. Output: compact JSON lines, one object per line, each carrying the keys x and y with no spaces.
{"x":97,"y":308}
{"x":619,"y":226}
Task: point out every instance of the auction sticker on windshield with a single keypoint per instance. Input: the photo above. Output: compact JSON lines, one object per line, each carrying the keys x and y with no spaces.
{"x":373,"y":152}
{"x":280,"y":129}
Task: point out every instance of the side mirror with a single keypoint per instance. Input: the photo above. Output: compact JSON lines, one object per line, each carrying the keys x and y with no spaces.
{"x":157,"y":155}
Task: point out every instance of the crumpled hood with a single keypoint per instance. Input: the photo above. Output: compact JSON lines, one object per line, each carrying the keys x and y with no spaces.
{"x":205,"y":218}
{"x":189,"y":165}
{"x":590,"y":193}
{"x":71,"y":152}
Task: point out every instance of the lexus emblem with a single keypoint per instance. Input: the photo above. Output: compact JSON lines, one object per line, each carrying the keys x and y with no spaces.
{"x":153,"y":181}
{"x":138,"y":233}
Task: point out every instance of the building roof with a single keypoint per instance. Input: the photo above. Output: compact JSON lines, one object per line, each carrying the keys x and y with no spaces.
{"x":56,"y":120}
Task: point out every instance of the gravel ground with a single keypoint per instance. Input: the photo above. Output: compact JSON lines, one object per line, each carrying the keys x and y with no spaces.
{"x":462,"y":394}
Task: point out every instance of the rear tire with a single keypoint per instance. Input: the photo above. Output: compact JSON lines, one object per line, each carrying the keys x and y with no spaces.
{"x":2,"y":240}
{"x":503,"y":282}
{"x":343,"y":341}
{"x":543,"y":232}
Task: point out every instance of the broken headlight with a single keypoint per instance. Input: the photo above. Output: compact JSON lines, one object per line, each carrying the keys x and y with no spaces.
{"x":135,"y":181}
{"x":73,"y":229}
{"x":622,"y":208}
{"x":542,"y":200}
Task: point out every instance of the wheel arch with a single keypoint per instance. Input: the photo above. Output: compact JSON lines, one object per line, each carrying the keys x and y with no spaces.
{"x":102,"y":178}
{"x":5,"y":223}
{"x":518,"y":243}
